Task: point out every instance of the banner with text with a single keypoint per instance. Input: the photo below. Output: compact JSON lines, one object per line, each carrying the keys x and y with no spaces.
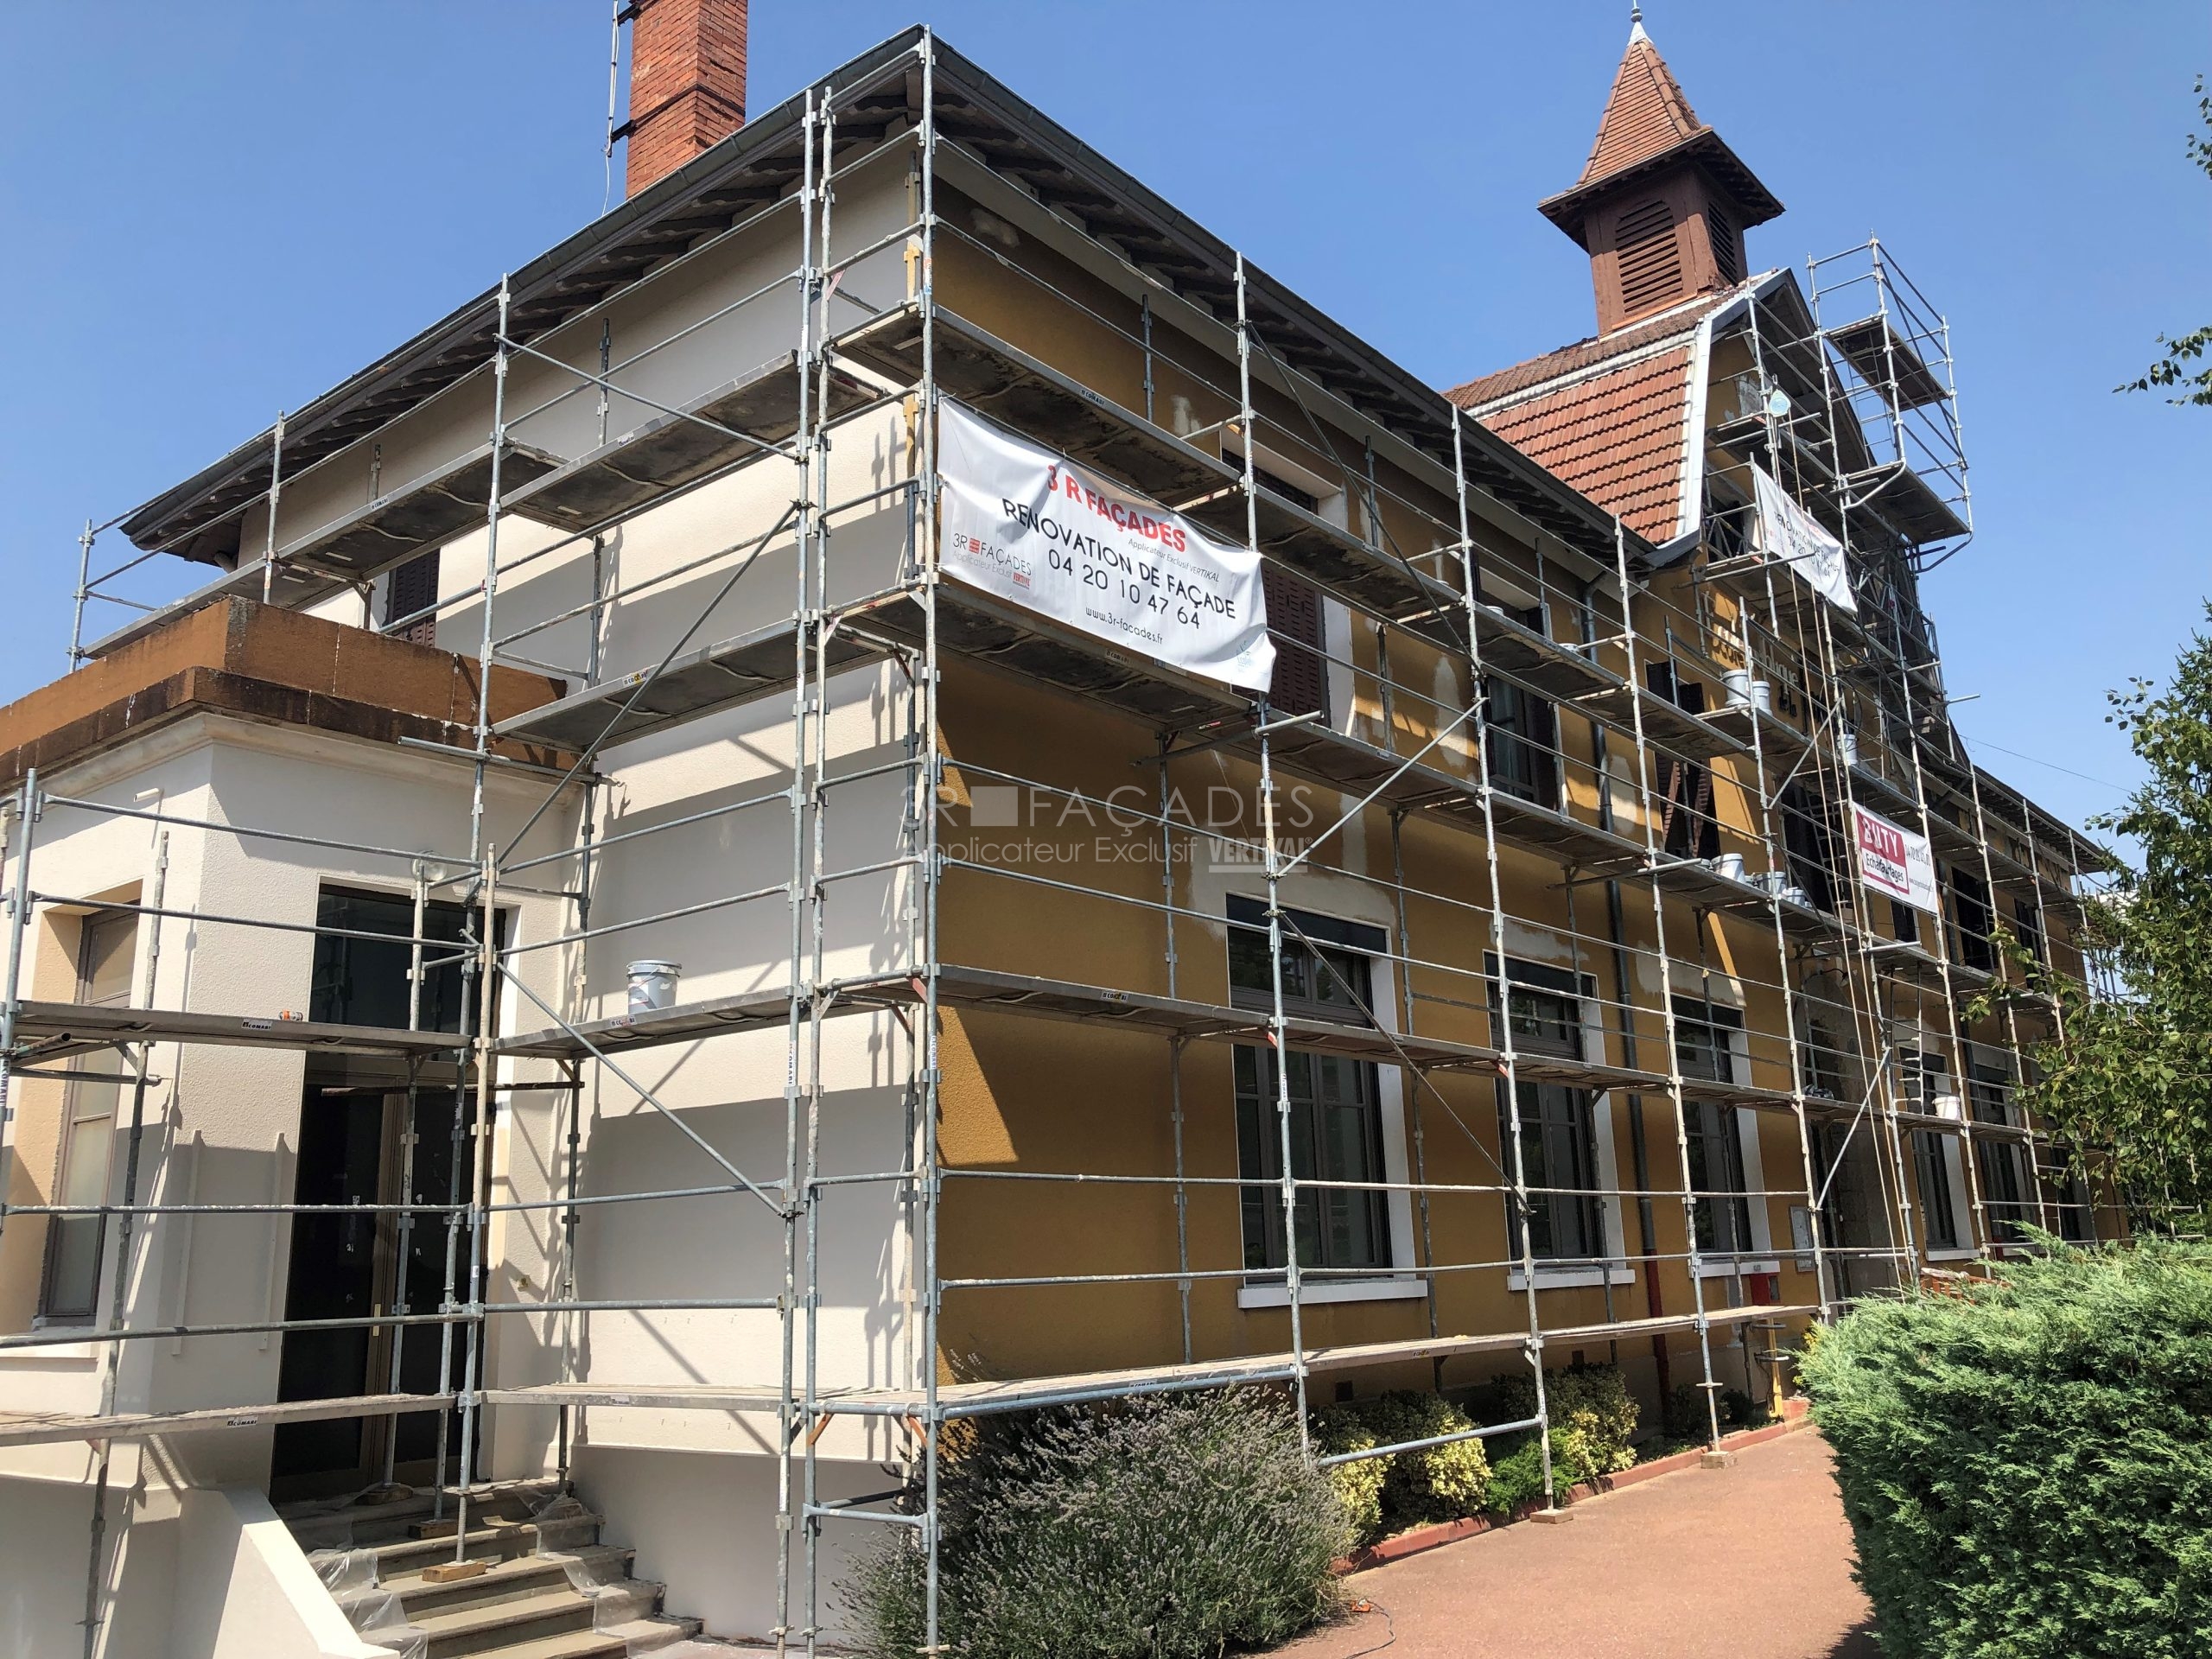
{"x":1789,"y":533}
{"x":1028,"y":525}
{"x":1892,"y":859}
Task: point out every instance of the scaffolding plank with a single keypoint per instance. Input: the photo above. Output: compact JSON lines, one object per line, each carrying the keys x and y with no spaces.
{"x":50,"y":1031}
{"x":424,"y":512}
{"x":1906,"y":502}
{"x":1665,"y":724}
{"x":699,"y":683}
{"x":1002,"y":380}
{"x":40,"y":1428}
{"x":1885,"y":359}
{"x":983,"y":1397}
{"x":1512,"y":647}
{"x":746,"y":416}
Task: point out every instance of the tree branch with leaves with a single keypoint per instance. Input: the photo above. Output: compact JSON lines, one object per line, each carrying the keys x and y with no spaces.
{"x":2177,"y":368}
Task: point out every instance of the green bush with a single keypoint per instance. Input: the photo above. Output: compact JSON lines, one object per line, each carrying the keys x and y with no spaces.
{"x":2027,"y":1463}
{"x":1517,"y":1476}
{"x":1593,"y":1417}
{"x":1359,"y":1485}
{"x":1442,"y":1483}
{"x":1164,"y":1528}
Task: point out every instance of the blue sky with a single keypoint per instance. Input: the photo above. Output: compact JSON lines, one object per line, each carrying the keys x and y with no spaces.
{"x":217,"y":211}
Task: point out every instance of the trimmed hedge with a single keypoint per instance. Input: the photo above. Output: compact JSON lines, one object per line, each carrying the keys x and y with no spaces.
{"x":2027,"y":1465}
{"x":1171,"y":1528}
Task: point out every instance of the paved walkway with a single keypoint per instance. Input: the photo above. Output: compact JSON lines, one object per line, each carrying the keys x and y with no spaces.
{"x":1754,"y":1560}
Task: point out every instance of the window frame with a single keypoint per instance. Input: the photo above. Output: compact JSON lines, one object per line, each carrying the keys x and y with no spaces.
{"x":1736,"y":1130}
{"x":1399,"y":1275}
{"x":93,"y":927}
{"x":1608,"y":1263}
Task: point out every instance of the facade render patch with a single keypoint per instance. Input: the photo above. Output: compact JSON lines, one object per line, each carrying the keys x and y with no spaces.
{"x":1496,"y":987}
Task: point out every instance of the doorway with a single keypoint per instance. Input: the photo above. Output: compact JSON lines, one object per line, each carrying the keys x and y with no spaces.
{"x":354,"y":1149}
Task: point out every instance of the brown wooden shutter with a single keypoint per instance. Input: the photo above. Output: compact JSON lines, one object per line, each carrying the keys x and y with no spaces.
{"x":1301,"y":678}
{"x":411,"y":588}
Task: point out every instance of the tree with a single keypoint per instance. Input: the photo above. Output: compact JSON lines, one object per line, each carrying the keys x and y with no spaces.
{"x":2173,"y":369}
{"x":2131,"y":1072}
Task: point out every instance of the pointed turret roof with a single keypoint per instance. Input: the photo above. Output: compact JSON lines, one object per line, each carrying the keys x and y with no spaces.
{"x":1648,"y":125}
{"x":1646,"y":114}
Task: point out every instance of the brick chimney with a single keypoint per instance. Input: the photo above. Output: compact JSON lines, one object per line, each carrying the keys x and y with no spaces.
{"x":687,"y":83}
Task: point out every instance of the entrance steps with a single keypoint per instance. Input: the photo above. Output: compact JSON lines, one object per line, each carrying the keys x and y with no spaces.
{"x":547,"y":1587}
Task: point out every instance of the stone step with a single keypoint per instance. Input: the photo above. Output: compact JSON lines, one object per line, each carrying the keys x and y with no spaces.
{"x":496,"y":1626}
{"x":515,"y":1575}
{"x":642,"y":1636}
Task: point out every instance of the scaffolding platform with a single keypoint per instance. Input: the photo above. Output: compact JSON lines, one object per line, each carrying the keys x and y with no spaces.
{"x":749,"y":416}
{"x":699,"y":683}
{"x":1887,"y":361}
{"x":58,"y":1429}
{"x":1666,"y":725}
{"x":1904,"y":499}
{"x":47,"y":1031}
{"x":979,"y":1398}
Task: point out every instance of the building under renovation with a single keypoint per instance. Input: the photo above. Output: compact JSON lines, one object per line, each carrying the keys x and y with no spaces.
{"x":893,"y":787}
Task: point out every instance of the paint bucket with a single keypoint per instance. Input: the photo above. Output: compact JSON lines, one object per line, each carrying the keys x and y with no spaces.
{"x":652,"y":986}
{"x":1738,"y":680}
{"x":1847,"y":742}
{"x":1730,"y":865}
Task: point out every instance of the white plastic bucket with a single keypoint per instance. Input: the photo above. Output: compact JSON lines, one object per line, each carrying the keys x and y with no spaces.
{"x":1738,"y":682}
{"x":652,"y":986}
{"x":1730,"y":865}
{"x":1848,"y":741}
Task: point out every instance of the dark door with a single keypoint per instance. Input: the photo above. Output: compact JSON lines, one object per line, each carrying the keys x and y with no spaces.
{"x":333,"y":1275}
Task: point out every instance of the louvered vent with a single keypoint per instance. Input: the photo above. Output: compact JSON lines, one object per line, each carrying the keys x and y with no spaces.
{"x":1727,"y":252}
{"x":414,"y":586}
{"x":1650,"y":258}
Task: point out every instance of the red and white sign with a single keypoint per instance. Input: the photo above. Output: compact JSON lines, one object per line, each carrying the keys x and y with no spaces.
{"x":1034,"y":528}
{"x":1893,"y":860}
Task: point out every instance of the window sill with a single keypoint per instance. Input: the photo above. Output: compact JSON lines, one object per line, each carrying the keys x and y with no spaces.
{"x":1399,"y":1288}
{"x":57,"y":1353}
{"x":1952,"y":1255}
{"x":1569,"y":1278}
{"x":1739,"y":1269}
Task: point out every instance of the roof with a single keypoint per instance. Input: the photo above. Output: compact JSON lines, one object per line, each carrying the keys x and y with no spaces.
{"x":1610,"y":415}
{"x":755,"y":167}
{"x":1645,"y":114}
{"x":1648,"y":127}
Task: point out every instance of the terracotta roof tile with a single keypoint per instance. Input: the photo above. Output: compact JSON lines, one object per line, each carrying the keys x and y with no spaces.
{"x":1616,"y":437}
{"x":1645,"y":115}
{"x":1585,"y":353}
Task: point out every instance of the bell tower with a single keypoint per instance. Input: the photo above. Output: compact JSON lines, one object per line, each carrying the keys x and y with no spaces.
{"x":1663,"y":203}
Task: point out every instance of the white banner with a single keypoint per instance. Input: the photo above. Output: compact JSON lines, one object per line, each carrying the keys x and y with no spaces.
{"x":1789,"y":533}
{"x":1030,"y":526}
{"x":1892,"y":859}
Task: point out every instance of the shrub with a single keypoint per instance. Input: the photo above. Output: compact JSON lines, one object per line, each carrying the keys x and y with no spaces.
{"x":1517,"y":1478}
{"x":1442,"y":1483}
{"x":1593,"y":1417}
{"x":1168,"y":1529}
{"x":2027,"y":1463}
{"x":1686,"y":1418}
{"x":1359,"y":1485}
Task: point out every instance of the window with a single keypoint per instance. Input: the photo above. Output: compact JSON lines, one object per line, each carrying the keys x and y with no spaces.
{"x":1809,"y":842}
{"x":414,"y":586}
{"x":1688,"y":827}
{"x":1336,"y":1129}
{"x":1973,"y":916}
{"x":1923,"y":1081}
{"x":1524,"y":736}
{"x":363,"y":981}
{"x":1559,"y":1141}
{"x":1905,"y":922}
{"x":1705,"y":1047}
{"x":2027,"y":927}
{"x":1935,"y":1159}
{"x":1820,"y":1061}
{"x":106,"y":954}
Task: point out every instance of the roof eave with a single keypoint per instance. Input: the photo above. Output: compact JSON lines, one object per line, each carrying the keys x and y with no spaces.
{"x":1569,"y":209}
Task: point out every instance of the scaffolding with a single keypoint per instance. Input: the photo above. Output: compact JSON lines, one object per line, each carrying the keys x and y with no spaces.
{"x":1449,"y":550}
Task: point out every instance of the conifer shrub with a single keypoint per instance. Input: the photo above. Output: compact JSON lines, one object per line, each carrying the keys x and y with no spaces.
{"x":2027,"y":1463}
{"x":1168,"y":1528}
